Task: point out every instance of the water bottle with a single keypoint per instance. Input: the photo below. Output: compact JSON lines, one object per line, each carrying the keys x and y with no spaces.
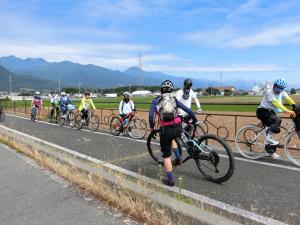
{"x":125,"y":121}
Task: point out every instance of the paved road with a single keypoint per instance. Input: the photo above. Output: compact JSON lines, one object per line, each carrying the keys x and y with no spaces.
{"x":31,"y":195}
{"x":265,"y":189}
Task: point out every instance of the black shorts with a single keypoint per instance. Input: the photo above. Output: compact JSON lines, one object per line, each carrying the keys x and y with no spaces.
{"x":167,"y":134}
{"x":269,"y":119}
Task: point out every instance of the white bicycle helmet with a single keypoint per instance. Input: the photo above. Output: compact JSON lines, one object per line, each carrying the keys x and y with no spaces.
{"x":166,"y":86}
{"x":37,"y":93}
{"x":126,"y":93}
{"x":63,"y":93}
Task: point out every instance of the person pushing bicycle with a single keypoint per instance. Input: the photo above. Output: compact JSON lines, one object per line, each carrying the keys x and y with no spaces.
{"x":272,"y":104}
{"x":85,"y":105}
{"x":170,"y":124}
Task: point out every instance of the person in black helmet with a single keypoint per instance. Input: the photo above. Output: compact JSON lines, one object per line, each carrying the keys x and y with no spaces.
{"x":166,"y":106}
{"x":186,"y":95}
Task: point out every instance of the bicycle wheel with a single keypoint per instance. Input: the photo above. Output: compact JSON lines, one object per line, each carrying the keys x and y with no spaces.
{"x":153,"y":147}
{"x":137,"y":128}
{"x":115,"y":126}
{"x":2,"y":115}
{"x":250,"y":142}
{"x":292,"y":147}
{"x":71,"y":119}
{"x":78,"y":122}
{"x":33,"y":114}
{"x":94,"y":123}
{"x":214,"y":158}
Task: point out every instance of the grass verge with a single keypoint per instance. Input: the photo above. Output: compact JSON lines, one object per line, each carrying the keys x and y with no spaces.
{"x":141,"y":209}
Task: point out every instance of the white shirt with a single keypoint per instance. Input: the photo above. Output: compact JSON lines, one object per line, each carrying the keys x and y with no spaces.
{"x":126,"y":108}
{"x":269,"y":96}
{"x":187,"y":102}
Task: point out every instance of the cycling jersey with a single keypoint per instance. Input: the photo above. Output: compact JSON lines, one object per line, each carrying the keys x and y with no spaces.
{"x":126,"y":107}
{"x":64,"y":101}
{"x":55,"y":101}
{"x":187,"y":101}
{"x":271,"y":101}
{"x":37,"y":101}
{"x":86,"y":104}
{"x":177,"y":120}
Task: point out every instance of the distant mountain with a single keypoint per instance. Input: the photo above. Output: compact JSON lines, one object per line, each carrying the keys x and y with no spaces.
{"x":26,"y":81}
{"x":92,"y":76}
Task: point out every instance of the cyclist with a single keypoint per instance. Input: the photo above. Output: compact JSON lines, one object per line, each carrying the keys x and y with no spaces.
{"x":85,"y":105}
{"x":126,"y":106}
{"x":170,"y":124}
{"x":64,"y":102}
{"x":186,"y":95}
{"x":270,"y":104}
{"x":55,"y":101}
{"x":37,"y":101}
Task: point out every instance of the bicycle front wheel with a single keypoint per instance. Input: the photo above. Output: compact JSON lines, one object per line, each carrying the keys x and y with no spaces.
{"x":137,"y":128}
{"x":153,"y":147}
{"x":292,"y":147}
{"x":115,"y":126}
{"x":214,"y":158}
{"x":94,"y":123}
{"x":250,"y":142}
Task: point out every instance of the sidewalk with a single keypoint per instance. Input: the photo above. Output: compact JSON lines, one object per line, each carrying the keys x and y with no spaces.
{"x":32,"y":195}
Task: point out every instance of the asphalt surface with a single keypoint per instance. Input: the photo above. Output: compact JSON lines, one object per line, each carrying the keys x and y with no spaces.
{"x":32,"y":195}
{"x":268,"y":190}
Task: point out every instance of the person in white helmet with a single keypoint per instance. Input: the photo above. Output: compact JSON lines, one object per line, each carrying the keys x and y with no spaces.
{"x":126,"y":107}
{"x":64,"y":101}
{"x":36,"y":103}
{"x":269,"y":106}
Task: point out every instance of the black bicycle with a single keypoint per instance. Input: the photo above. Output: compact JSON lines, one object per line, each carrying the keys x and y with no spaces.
{"x":211,"y":153}
{"x":2,"y":114}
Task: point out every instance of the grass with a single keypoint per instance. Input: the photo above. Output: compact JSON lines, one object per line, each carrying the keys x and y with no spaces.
{"x":139,"y":208}
{"x":209,"y":103}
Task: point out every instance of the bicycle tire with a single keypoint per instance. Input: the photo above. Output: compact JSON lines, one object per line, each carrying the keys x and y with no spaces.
{"x":78,"y":123}
{"x":215,"y":158}
{"x":133,"y":124}
{"x":288,"y":150}
{"x":2,"y":115}
{"x":94,"y":123}
{"x":115,"y":129}
{"x":150,"y":147}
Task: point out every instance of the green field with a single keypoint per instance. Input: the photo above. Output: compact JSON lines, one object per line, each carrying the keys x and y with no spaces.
{"x":209,"y":103}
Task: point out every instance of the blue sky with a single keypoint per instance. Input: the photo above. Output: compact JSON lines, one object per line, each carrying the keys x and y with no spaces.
{"x":249,"y":39}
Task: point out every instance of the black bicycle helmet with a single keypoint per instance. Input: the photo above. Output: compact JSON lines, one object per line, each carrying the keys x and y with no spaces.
{"x":166,"y":86}
{"x":187,"y":83}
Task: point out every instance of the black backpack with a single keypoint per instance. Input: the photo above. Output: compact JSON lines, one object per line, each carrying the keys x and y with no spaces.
{"x":297,"y":119}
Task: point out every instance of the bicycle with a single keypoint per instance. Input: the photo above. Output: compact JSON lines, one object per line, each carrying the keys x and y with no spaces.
{"x":250,"y":142}
{"x":54,"y":115}
{"x":208,"y":151}
{"x":69,"y":117}
{"x":2,"y":114}
{"x":221,"y":130}
{"x":34,"y":111}
{"x":92,"y":121}
{"x":135,"y":127}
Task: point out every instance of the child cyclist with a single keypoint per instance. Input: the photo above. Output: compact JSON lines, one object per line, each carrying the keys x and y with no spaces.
{"x":170,"y":124}
{"x":272,"y":103}
{"x":85,"y":106}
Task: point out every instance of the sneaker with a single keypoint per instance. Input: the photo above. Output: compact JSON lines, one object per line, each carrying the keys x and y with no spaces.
{"x":270,"y":140}
{"x":273,"y":155}
{"x":166,"y":182}
{"x":176,"y":162}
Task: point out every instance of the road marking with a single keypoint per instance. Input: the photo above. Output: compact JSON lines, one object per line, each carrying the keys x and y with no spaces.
{"x":201,"y":198}
{"x":143,"y":141}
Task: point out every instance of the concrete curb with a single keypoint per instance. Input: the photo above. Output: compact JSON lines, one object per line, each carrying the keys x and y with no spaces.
{"x":203,"y":210}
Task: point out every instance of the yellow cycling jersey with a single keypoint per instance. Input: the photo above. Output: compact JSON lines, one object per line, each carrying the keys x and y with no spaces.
{"x":86,"y":104}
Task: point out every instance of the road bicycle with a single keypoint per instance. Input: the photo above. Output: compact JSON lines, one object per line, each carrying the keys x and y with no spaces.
{"x":250,"y":141}
{"x":69,"y":117}
{"x":135,"y":127}
{"x":211,"y":153}
{"x":92,"y":121}
{"x":2,"y":114}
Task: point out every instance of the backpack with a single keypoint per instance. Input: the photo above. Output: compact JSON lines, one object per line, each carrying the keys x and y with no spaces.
{"x":297,"y":119}
{"x":167,"y":107}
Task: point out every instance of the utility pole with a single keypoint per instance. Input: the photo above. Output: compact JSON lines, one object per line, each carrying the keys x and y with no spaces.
{"x":58,"y":85}
{"x":79,"y":87}
{"x":140,"y":66}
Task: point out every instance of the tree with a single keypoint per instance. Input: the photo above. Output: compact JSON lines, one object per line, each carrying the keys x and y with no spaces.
{"x":212,"y":91}
{"x":293,"y":91}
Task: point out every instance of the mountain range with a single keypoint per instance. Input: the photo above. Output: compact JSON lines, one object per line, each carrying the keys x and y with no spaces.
{"x":92,"y":76}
